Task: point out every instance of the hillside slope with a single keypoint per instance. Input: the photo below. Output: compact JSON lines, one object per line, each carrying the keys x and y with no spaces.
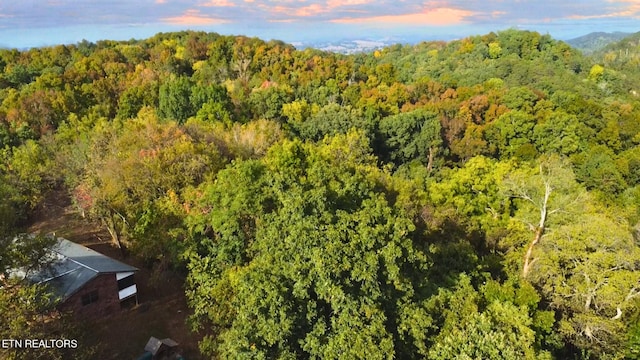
{"x":596,"y":41}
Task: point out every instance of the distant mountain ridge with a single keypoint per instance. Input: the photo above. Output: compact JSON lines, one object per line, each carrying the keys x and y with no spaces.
{"x":595,"y":41}
{"x":630,"y":43}
{"x":588,"y":44}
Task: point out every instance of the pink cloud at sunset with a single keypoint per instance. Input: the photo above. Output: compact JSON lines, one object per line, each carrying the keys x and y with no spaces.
{"x":340,"y":3}
{"x":293,"y":8}
{"x":218,"y":3}
{"x":311,"y":10}
{"x":437,"y":17}
{"x":193,"y":18}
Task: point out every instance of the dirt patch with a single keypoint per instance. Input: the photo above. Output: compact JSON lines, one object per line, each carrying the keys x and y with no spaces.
{"x":162,"y":309}
{"x":56,"y":215}
{"x":123,"y":336}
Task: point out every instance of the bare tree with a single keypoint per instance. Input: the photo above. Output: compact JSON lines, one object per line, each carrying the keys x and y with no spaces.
{"x":548,"y":192}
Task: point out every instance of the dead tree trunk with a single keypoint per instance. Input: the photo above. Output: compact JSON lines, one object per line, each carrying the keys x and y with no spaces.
{"x":430,"y":159}
{"x":528,"y":256}
{"x":529,"y":260}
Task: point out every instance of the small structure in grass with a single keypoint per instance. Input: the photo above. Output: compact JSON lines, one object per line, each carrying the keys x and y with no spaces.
{"x":165,"y":349}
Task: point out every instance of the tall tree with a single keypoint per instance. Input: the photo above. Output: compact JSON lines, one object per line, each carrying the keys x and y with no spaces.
{"x":133,"y":173}
{"x":175,"y":99}
{"x":302,"y":254}
{"x":579,"y":256}
{"x":545,"y":195}
{"x":413,"y":136}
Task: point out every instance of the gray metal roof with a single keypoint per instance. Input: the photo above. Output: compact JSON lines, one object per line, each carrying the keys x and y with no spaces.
{"x":74,"y":266}
{"x":90,"y":258}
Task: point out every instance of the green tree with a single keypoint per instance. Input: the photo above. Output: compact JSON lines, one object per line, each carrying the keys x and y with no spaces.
{"x":333,"y":119}
{"x":512,"y":132}
{"x":495,"y":50}
{"x":175,"y":99}
{"x":597,"y":169}
{"x":543,"y":195}
{"x":210,"y":94}
{"x":135,"y":98}
{"x":631,"y":158}
{"x":560,"y":133}
{"x":486,"y":326}
{"x":298,"y":112}
{"x":28,"y":174}
{"x":301,"y":255}
{"x":413,"y":135}
{"x":266,"y":103}
{"x":588,"y":273}
{"x":579,"y":256}
{"x":473,"y":194}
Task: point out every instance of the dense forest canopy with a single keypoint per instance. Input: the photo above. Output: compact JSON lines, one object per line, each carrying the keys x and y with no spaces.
{"x":478,"y":198}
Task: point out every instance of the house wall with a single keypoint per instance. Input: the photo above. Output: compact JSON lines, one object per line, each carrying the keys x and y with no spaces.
{"x":107,"y":301}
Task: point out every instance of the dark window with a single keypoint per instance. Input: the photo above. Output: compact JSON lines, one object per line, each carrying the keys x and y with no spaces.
{"x":125,"y":282}
{"x":129,"y":302}
{"x":90,"y":298}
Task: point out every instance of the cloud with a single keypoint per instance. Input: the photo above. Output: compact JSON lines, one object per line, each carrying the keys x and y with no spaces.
{"x":616,"y":9}
{"x":326,"y":11}
{"x":489,"y":13}
{"x":300,"y":18}
{"x":193,"y":18}
{"x":311,"y":10}
{"x":283,"y":21}
{"x":435,"y":17}
{"x":331,"y":4}
{"x":291,"y":11}
{"x":218,"y":3}
{"x":528,"y":12}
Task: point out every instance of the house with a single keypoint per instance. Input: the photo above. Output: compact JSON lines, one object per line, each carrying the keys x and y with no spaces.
{"x":87,"y":283}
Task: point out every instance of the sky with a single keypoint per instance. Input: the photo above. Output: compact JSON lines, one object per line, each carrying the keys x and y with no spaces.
{"x":31,"y":23}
